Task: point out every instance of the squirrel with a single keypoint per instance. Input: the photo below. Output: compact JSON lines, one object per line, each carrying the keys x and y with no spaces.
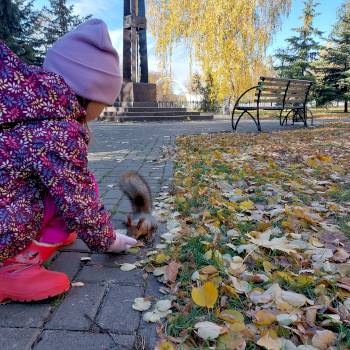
{"x":141,"y":223}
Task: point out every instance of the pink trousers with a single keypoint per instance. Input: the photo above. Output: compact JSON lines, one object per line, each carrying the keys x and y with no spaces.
{"x":54,"y":230}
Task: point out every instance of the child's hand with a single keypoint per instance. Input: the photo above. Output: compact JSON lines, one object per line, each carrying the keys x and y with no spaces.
{"x":121,"y":243}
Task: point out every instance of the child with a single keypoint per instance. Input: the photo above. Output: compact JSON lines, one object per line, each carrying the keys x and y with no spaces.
{"x":46,"y":189}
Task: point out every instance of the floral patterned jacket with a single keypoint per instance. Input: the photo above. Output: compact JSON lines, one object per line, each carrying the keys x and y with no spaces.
{"x":43,"y":148}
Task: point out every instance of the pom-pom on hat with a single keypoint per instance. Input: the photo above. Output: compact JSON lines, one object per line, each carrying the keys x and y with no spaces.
{"x":88,"y":62}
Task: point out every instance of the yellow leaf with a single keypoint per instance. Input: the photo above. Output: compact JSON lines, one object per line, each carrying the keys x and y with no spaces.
{"x":206,"y":295}
{"x":165,"y":345}
{"x":246,"y":205}
{"x":232,"y":316}
{"x":230,"y":291}
{"x":264,"y":318}
{"x":161,"y":258}
{"x":267,"y":266}
{"x":217,"y":154}
{"x":187,"y":181}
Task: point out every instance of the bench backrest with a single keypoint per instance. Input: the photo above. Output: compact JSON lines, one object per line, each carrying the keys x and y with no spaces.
{"x":282,"y":92}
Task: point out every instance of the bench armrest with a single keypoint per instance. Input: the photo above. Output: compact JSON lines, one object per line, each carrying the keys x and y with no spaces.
{"x":236,"y":104}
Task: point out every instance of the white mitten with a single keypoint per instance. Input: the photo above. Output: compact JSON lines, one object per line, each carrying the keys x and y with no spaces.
{"x":121,"y":243}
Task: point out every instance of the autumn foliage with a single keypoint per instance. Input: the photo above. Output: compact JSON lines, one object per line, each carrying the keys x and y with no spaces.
{"x":228,"y":39}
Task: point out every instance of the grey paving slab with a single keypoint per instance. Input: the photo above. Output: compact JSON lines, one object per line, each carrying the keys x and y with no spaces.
{"x":23,"y":315}
{"x":77,"y":246}
{"x":99,"y":273}
{"x":68,"y":262}
{"x":17,"y":338}
{"x":70,"y":314}
{"x":116,"y":313}
{"x":61,"y":340}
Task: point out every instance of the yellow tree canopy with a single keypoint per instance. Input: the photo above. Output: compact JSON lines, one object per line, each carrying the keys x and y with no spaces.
{"x":227,"y":38}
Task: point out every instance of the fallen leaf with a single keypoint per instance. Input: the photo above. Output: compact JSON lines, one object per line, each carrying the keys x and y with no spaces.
{"x":323,"y":339}
{"x":341,"y":255}
{"x":296,"y":299}
{"x":161,"y":258}
{"x":231,"y":316}
{"x":171,"y":271}
{"x":208,"y":270}
{"x":163,"y":305}
{"x":206,"y":295}
{"x":246,"y":205}
{"x":286,"y":319}
{"x":207,"y":330}
{"x":165,"y":345}
{"x":141,"y":304}
{"x":85,"y":258}
{"x":270,"y":342}
{"x":127,"y":267}
{"x":264,"y":318}
{"x":151,"y":316}
{"x":78,"y":284}
{"x":231,"y":341}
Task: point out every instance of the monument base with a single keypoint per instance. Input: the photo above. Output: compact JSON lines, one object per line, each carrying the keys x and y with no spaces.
{"x":139,"y":93}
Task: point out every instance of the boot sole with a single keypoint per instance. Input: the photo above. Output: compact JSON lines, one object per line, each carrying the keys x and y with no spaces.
{"x":4,"y":298}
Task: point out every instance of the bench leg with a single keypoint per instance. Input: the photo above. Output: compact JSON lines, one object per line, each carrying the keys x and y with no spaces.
{"x":234,"y":124}
{"x":305,"y":117}
{"x":256,"y":121}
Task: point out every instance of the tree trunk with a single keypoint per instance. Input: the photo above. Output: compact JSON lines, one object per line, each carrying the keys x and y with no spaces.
{"x":346,"y":107}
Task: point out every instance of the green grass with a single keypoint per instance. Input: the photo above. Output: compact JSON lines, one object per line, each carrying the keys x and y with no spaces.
{"x":180,"y":322}
{"x":341,"y":194}
{"x":343,"y":221}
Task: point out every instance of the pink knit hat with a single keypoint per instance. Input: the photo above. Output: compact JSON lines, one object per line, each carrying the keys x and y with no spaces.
{"x":87,"y":61}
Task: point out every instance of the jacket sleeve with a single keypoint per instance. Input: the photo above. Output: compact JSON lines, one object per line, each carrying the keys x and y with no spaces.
{"x":62,"y":167}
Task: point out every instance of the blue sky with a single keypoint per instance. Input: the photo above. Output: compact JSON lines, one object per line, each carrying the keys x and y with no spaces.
{"x":111,"y":11}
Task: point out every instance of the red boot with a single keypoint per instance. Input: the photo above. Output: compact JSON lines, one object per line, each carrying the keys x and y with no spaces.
{"x":22,"y":278}
{"x":69,"y":240}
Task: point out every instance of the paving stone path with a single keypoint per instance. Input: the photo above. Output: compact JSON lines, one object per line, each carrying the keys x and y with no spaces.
{"x":99,"y":315}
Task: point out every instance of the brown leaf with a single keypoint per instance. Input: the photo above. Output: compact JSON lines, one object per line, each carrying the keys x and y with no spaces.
{"x":171,"y":271}
{"x":341,"y":255}
{"x":310,"y":316}
{"x":323,"y":339}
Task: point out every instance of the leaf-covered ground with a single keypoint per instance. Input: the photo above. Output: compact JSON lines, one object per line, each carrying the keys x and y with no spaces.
{"x":257,"y":250}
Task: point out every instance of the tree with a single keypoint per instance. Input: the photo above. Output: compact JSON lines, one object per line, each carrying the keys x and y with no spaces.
{"x":59,"y":19}
{"x":296,"y":61}
{"x":226,"y":38}
{"x":209,"y":100}
{"x":19,"y":29}
{"x":335,"y":63}
{"x":9,"y":22}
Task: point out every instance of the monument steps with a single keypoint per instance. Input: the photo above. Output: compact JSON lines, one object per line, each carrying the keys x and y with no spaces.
{"x":146,"y":113}
{"x":153,"y":114}
{"x":157,"y":118}
{"x":140,"y":110}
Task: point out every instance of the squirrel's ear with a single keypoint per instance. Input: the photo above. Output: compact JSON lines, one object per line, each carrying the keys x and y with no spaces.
{"x":129,"y":221}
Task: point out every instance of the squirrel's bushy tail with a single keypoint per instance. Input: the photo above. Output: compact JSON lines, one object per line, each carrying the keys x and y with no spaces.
{"x":138,"y":191}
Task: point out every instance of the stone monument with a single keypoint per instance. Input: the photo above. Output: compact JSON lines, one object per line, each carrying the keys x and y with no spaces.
{"x":136,"y":89}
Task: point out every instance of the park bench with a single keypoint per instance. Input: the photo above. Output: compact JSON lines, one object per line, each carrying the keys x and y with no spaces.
{"x":289,"y":96}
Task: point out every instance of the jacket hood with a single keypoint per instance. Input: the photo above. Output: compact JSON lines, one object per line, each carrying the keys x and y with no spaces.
{"x":29,"y":93}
